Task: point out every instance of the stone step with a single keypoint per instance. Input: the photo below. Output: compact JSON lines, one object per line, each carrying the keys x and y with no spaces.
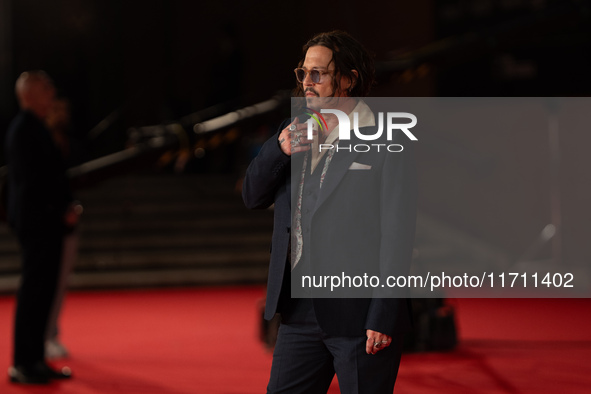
{"x":163,"y":230}
{"x":202,"y":276}
{"x":153,"y":251}
{"x":147,"y":229}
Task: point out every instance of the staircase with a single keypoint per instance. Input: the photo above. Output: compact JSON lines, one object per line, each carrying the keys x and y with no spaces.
{"x":161,"y":230}
{"x":148,"y":230}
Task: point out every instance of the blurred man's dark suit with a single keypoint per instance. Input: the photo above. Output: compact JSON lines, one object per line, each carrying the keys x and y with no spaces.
{"x":37,"y":200}
{"x":389,"y":252}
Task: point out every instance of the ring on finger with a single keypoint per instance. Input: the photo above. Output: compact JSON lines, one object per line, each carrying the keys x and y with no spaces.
{"x":292,"y":127}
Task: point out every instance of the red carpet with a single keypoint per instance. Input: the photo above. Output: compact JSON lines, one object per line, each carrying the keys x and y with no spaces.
{"x":517,"y":346}
{"x":205,"y":341}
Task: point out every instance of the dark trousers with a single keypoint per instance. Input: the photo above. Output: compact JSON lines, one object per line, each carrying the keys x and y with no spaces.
{"x":41,"y":257}
{"x":306,"y":359}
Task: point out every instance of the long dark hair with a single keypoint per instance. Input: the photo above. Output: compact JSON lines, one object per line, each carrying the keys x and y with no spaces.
{"x":347,"y":54}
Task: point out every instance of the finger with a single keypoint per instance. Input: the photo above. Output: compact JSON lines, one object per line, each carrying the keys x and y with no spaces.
{"x":299,"y":138}
{"x":285,"y":142}
{"x":303,"y":137}
{"x":295,"y":125}
{"x":386,"y":340}
{"x":285,"y":135}
{"x":297,"y":131}
{"x":305,"y":140}
{"x":298,"y":135}
{"x":377,"y":346}
{"x":381,"y":344}
{"x":369,"y":345}
{"x":301,"y":148}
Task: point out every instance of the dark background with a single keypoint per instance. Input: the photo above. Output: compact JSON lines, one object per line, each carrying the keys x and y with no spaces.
{"x":157,"y":60}
{"x":163,"y":59}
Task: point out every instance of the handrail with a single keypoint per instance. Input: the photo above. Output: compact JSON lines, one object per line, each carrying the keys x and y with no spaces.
{"x":152,"y":141}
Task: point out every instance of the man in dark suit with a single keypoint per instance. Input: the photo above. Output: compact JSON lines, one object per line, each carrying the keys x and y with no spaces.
{"x":336,"y":211}
{"x":38,"y":203}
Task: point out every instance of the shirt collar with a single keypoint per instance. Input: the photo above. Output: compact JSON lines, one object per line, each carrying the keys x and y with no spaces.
{"x":366,"y":118}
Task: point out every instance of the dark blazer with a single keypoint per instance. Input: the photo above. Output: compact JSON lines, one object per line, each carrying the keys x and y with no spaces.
{"x":381,"y":202}
{"x":38,"y":190}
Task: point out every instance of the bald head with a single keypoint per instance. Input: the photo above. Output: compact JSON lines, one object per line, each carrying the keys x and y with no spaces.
{"x":35,"y":92}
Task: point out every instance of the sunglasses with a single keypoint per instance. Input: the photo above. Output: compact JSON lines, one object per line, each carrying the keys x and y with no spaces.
{"x":315,"y":75}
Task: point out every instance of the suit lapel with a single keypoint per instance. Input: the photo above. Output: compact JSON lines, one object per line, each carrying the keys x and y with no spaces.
{"x":337,"y":169}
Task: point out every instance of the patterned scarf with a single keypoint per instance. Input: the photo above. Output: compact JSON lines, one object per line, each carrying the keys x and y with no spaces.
{"x":297,"y":227}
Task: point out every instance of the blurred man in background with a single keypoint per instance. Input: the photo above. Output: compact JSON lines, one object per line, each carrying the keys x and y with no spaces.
{"x":39,"y":210}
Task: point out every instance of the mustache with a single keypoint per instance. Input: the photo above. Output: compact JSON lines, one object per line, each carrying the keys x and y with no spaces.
{"x":311,"y":90}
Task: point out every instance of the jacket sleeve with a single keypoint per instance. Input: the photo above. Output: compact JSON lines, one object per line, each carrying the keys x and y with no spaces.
{"x":265,"y":174}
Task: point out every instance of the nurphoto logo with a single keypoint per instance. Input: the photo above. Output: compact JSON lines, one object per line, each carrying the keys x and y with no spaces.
{"x":345,"y":129}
